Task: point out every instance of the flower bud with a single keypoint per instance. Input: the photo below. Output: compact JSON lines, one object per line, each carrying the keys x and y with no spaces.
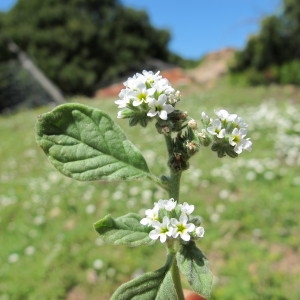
{"x":192,"y":124}
{"x":204,"y":139}
{"x":178,"y":163}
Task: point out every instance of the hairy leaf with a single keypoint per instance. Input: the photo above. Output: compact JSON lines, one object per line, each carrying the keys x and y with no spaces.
{"x":194,"y":265}
{"x":86,"y":144}
{"x":125,"y":230}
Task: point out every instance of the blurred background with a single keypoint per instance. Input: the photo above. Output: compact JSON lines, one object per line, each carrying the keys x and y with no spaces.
{"x":240,"y":55}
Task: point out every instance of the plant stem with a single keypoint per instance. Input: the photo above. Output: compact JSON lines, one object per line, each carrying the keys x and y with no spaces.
{"x":174,"y":180}
{"x":169,"y":144}
{"x":176,"y":275}
{"x":177,"y":280}
{"x":174,"y":185}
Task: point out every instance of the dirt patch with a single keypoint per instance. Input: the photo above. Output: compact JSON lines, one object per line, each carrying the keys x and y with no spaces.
{"x":214,"y":66}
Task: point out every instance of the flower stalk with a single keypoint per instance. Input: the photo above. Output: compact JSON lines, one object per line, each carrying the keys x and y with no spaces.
{"x":104,"y":153}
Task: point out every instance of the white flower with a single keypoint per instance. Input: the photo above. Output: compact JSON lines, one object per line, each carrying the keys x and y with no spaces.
{"x":151,"y":216}
{"x":136,"y":82}
{"x":12,"y":258}
{"x":170,"y":220}
{"x":206,"y":119}
{"x":224,"y":115}
{"x":98,"y":264}
{"x":216,"y":129}
{"x":167,"y":204}
{"x":237,"y":140}
{"x":239,"y":122}
{"x":199,"y":231}
{"x":182,"y":228}
{"x":186,"y":208}
{"x":159,"y":107}
{"x":142,"y":95}
{"x":151,"y":77}
{"x":161,"y":230}
{"x":163,"y":86}
{"x":125,"y":96}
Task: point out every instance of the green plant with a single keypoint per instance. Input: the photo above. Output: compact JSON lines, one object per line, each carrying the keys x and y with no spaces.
{"x":86,"y":144}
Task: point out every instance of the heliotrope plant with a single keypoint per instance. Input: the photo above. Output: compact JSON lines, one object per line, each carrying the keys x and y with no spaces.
{"x":86,"y":144}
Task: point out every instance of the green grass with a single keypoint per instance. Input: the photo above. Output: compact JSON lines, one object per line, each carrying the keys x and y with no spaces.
{"x":249,"y":205}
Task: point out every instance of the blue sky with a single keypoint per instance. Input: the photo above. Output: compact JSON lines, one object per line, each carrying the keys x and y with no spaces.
{"x":201,"y":26}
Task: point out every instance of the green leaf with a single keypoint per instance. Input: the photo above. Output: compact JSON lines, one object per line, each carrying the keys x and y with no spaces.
{"x":194,"y":265}
{"x":157,"y":285}
{"x":86,"y":144}
{"x":125,"y":230}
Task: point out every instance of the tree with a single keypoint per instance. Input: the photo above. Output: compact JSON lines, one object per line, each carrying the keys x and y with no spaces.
{"x":275,"y":48}
{"x":79,"y":43}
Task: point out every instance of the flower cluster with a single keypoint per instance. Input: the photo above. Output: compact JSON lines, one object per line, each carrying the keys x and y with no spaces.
{"x":145,"y":96}
{"x":172,"y":220}
{"x":227,"y":133}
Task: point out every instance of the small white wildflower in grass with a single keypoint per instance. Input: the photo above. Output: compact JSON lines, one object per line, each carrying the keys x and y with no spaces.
{"x":39,"y":220}
{"x":224,"y":194}
{"x":13,"y":258}
{"x":117,"y":195}
{"x":296,"y":181}
{"x":182,"y":227}
{"x":214,"y":217}
{"x":98,"y":264}
{"x":30,"y":250}
{"x":99,"y":241}
{"x":161,"y":230}
{"x":146,"y":196}
{"x":250,"y":176}
{"x":90,"y":209}
{"x":111,"y":272}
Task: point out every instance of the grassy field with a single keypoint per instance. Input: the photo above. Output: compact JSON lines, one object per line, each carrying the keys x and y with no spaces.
{"x":250,"y":206}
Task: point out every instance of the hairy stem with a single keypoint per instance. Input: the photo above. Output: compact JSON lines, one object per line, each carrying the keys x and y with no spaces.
{"x":174,"y":185}
{"x":174,"y":180}
{"x":174,"y":188}
{"x":175,"y":274}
